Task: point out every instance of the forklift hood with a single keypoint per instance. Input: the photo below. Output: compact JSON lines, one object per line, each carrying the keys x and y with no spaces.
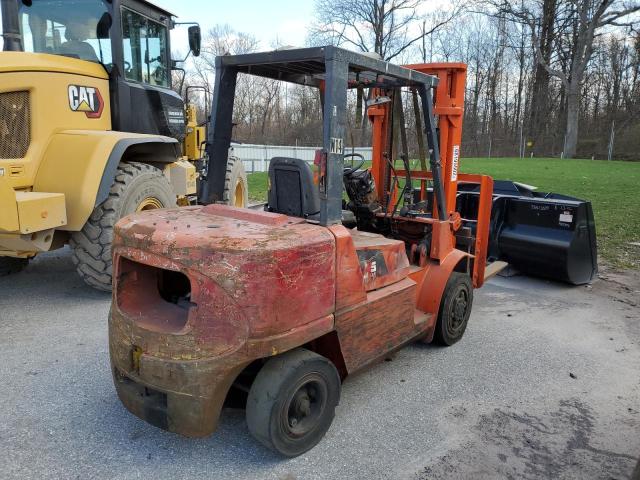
{"x":276,"y":271}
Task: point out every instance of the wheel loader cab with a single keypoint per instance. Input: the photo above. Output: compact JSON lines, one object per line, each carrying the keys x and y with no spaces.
{"x":130,"y":39}
{"x":284,"y":304}
{"x":146,"y":102}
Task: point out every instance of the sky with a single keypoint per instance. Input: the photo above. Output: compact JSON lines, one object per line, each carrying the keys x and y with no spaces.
{"x":268,"y":20}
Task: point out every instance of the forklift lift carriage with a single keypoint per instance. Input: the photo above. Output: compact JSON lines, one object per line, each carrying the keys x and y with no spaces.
{"x":284,"y":304}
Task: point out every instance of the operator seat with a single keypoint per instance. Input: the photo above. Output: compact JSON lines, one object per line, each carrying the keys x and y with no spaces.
{"x":291,"y":188}
{"x":76,"y":46}
{"x":293,"y":192}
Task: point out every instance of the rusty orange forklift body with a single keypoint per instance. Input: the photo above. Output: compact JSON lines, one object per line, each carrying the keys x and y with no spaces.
{"x":283,"y":305}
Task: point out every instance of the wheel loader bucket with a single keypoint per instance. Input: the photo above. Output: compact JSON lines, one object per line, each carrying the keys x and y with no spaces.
{"x":542,"y":234}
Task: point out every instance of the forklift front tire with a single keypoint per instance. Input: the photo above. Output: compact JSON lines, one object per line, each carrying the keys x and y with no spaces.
{"x":292,"y":401}
{"x":455,"y":309}
{"x":9,"y":265}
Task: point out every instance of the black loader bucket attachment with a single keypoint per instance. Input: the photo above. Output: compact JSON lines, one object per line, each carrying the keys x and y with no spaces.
{"x":542,"y":234}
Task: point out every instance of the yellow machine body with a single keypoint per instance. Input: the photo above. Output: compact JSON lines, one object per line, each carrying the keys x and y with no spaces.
{"x":55,"y":143}
{"x":196,"y":135}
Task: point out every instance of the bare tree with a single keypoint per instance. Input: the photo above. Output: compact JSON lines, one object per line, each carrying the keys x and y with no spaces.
{"x":386,"y":27}
{"x":582,"y":21}
{"x":545,"y":38}
{"x":221,"y":40}
{"x":511,"y":99}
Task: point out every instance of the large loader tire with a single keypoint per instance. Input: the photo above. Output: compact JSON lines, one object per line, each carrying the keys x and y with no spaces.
{"x":9,"y":265}
{"x":236,"y":187}
{"x":137,"y":187}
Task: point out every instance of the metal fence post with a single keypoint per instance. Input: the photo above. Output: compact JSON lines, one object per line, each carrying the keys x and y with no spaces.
{"x":611,"y":139}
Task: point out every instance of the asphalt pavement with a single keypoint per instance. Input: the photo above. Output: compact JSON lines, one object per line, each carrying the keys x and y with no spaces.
{"x":545,"y":384}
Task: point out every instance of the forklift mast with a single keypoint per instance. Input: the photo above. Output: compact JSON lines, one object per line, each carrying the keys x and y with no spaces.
{"x":448,"y":106}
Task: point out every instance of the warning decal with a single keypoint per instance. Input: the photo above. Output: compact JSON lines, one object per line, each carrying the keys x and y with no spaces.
{"x":336,"y":145}
{"x":454,"y":165}
{"x":566,"y":217}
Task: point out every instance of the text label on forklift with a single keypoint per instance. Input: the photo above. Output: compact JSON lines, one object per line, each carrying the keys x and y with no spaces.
{"x":87,"y":100}
{"x":454,"y":164}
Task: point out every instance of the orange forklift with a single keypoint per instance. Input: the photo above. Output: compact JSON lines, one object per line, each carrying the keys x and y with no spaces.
{"x":283,"y":304}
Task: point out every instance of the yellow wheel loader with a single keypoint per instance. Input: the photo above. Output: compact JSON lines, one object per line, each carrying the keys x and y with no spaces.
{"x":91,"y":130}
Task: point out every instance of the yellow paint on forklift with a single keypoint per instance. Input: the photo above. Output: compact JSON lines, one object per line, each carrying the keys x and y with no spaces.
{"x":136,"y":355}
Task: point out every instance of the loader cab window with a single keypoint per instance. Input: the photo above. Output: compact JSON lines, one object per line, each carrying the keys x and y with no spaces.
{"x":145,"y":49}
{"x":76,"y":29}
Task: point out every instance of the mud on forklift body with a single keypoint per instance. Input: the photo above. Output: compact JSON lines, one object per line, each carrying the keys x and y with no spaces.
{"x":284,"y":304}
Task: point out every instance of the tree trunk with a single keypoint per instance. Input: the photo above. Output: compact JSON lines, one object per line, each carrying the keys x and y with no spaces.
{"x":540,"y":106}
{"x":573,"y":116}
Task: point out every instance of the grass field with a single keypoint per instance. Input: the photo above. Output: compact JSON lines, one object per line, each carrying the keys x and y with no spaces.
{"x":612,"y":187}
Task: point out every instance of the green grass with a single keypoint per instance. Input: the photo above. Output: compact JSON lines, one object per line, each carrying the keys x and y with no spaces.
{"x":612,"y":187}
{"x":258,"y":186}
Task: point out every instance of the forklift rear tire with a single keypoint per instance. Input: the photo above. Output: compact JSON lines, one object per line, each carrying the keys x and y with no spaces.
{"x":9,"y":265}
{"x":455,"y":309}
{"x":137,"y":187}
{"x":292,"y":401}
{"x":236,"y":187}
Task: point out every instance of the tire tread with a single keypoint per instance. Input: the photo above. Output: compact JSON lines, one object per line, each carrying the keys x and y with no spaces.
{"x":267,"y":387}
{"x":92,"y":245}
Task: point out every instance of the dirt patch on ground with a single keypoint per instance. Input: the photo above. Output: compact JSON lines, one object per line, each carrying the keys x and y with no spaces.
{"x":622,"y":286}
{"x":513,"y":444}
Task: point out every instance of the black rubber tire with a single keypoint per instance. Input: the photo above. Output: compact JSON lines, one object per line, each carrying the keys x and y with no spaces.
{"x":455,"y":309}
{"x":236,"y":174}
{"x":274,"y":393}
{"x":91,"y":246}
{"x":10,"y":265}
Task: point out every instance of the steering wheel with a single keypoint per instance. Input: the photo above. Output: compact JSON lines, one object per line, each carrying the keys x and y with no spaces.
{"x":350,"y":170}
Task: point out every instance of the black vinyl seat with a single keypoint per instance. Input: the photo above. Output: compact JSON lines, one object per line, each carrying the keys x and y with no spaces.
{"x":291,"y":188}
{"x":293,"y":192}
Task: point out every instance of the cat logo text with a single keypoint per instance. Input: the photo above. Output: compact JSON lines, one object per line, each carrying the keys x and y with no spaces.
{"x":87,"y":100}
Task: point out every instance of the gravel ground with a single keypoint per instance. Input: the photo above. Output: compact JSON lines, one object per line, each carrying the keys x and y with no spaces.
{"x":545,"y":384}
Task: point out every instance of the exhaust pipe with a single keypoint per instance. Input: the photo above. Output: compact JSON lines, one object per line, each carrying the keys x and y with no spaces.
{"x":11,"y":26}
